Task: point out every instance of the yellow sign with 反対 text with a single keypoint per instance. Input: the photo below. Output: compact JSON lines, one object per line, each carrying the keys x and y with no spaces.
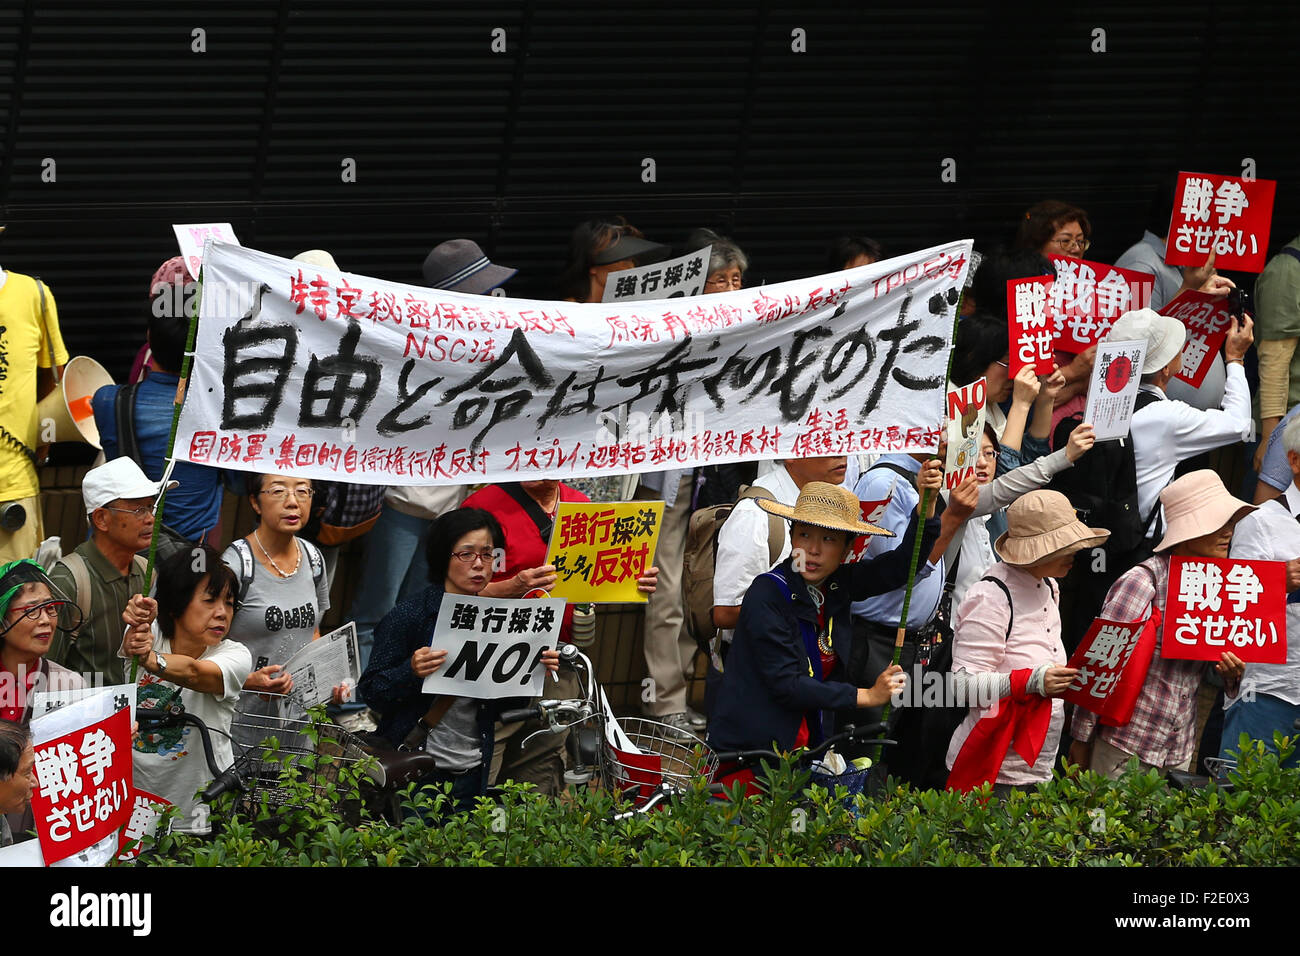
{"x":599,"y":549}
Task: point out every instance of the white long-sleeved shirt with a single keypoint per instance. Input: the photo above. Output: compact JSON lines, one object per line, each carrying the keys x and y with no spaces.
{"x":1273,"y":534}
{"x":1167,"y":432}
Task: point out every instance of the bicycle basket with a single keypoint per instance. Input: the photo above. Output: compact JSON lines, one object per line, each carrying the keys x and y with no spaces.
{"x":658,"y":754}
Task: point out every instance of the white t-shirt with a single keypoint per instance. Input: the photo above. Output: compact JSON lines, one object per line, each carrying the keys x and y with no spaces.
{"x":171,"y":762}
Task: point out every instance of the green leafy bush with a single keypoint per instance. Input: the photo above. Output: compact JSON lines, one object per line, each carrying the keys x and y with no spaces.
{"x":1085,"y":821}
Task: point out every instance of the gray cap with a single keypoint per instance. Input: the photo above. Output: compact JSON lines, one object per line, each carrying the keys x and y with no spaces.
{"x":460,"y":266}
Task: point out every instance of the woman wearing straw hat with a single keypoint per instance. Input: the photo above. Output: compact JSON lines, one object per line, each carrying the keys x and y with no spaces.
{"x":788,"y":658}
{"x":1007,"y":654}
{"x":1200,"y":515}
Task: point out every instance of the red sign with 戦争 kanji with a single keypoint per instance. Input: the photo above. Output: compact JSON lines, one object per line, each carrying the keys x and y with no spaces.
{"x":1225,"y":605}
{"x":1227,"y":215}
{"x":1030,"y":331}
{"x":146,"y":810}
{"x":1087,"y":297}
{"x":873,"y":512}
{"x":83,"y":786}
{"x":1112,"y":662}
{"x":1207,"y":319}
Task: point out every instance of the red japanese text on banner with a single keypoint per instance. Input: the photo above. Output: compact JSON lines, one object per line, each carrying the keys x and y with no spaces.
{"x":1207,"y":319}
{"x":330,"y":375}
{"x":1225,"y":605}
{"x":83,"y":786}
{"x":1228,"y":215}
{"x":1110,"y":676}
{"x":1087,"y":297}
{"x":1030,"y":331}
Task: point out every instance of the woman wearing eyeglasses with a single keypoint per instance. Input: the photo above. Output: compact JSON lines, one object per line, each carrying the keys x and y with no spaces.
{"x":457,"y":731}
{"x":283,"y":594}
{"x":32,"y":610}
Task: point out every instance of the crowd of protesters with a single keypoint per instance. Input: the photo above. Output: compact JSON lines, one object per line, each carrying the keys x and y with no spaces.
{"x":800,"y":641}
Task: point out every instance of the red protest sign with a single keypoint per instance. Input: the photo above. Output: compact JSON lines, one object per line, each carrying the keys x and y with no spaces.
{"x":1215,"y":606}
{"x":1207,"y":319}
{"x":1112,"y":661}
{"x":83,"y":786}
{"x":1087,"y":297}
{"x":1027,"y":325}
{"x":872,"y":513}
{"x":146,"y":810}
{"x":1227,"y":214}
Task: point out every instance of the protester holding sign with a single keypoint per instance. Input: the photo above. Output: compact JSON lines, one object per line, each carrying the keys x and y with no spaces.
{"x":981,"y":350}
{"x":1161,"y":733}
{"x":526,"y":512}
{"x":186,"y":662}
{"x":1007,"y":649}
{"x":282,"y":592}
{"x":1270,"y":698}
{"x":457,"y":731}
{"x":1277,"y":297}
{"x":32,"y":610}
{"x":1166,"y":432}
{"x":788,"y":660}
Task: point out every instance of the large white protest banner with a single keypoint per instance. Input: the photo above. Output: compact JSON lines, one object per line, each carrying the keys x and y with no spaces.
{"x":494,"y":645}
{"x":333,"y":375}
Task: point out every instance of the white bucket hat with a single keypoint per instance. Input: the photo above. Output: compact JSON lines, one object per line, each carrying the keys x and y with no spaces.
{"x":1163,"y":334}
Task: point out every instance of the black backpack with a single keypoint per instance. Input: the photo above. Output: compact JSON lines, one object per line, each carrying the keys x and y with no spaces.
{"x":1102,"y":487}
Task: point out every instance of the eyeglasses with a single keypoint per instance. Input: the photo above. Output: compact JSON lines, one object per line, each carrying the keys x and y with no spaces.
{"x":280,"y":493}
{"x":990,"y":455}
{"x":469,"y":557}
{"x":1005,"y":365}
{"x":34,"y":612}
{"x":1068,"y":242}
{"x":139,"y":512}
{"x":724,"y":282}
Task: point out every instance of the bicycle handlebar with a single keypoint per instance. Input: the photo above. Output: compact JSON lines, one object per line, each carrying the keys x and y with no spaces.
{"x":744,"y":757}
{"x":154,"y":718}
{"x":522,"y":714}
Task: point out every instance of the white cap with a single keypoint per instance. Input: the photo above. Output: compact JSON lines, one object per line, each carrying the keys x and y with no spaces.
{"x":1163,"y":334}
{"x":119,"y":478}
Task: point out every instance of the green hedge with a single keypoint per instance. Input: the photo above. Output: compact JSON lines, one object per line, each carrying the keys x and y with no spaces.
{"x":1085,"y":821}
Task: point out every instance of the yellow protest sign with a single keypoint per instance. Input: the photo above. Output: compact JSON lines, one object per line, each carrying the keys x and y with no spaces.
{"x":599,"y":549}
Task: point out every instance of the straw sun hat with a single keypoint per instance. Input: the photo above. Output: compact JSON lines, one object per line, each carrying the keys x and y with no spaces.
{"x":1042,"y":525}
{"x":824,"y":505}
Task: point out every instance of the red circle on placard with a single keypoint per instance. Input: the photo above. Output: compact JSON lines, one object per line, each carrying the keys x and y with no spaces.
{"x":1119,"y":373}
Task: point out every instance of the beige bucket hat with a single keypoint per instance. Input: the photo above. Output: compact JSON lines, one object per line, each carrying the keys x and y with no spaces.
{"x":1198,"y":504}
{"x":1042,"y":525}
{"x":825,"y":506}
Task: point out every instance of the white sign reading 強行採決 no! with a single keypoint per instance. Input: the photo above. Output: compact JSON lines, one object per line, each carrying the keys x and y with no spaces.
{"x":332,"y":375}
{"x":494,"y":645}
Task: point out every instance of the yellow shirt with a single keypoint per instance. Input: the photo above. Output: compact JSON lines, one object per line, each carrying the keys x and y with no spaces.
{"x":26,"y":341}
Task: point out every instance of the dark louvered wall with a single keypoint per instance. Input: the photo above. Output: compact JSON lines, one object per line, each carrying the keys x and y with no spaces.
{"x":782,"y":149}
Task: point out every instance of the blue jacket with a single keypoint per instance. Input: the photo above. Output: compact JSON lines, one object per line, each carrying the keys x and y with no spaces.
{"x":767,"y":688}
{"x":390,"y":687}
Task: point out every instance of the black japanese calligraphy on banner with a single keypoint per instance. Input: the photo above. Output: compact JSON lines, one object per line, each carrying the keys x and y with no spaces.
{"x":333,"y":375}
{"x":494,"y":645}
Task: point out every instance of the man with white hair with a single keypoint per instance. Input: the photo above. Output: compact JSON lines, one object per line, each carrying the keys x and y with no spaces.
{"x":1166,"y":432}
{"x":1270,"y":693}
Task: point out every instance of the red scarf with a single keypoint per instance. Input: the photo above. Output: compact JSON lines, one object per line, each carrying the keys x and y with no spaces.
{"x":1021,"y":721}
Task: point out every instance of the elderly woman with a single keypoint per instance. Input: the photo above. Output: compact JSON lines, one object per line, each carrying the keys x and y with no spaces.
{"x":727,"y":263}
{"x":32,"y":609}
{"x":186,"y":663}
{"x":788,"y":658}
{"x":1007,"y":653}
{"x":457,"y":731}
{"x":17,"y":775}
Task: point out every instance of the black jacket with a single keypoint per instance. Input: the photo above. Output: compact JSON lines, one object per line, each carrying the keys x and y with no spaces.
{"x":767,"y":689}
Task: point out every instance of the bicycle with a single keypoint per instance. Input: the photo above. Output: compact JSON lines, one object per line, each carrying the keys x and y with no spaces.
{"x":650,"y":762}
